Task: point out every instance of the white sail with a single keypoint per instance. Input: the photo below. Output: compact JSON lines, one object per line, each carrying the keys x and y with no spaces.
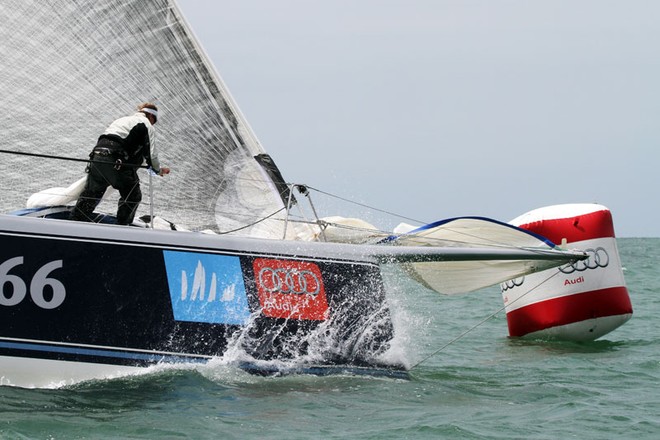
{"x":466,"y":273}
{"x":57,"y":195}
{"x":78,"y":65}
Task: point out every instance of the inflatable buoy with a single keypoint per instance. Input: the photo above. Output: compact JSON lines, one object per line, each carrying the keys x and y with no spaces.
{"x":580,"y":302}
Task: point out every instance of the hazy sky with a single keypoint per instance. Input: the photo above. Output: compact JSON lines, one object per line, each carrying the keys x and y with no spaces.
{"x":442,"y":108}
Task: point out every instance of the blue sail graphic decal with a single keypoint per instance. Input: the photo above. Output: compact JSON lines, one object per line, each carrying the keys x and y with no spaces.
{"x":206,"y":288}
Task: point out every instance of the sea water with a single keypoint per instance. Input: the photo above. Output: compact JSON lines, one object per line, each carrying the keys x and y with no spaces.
{"x":473,"y":383}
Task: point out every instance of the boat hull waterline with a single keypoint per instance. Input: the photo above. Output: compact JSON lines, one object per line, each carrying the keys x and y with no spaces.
{"x":128,"y":297}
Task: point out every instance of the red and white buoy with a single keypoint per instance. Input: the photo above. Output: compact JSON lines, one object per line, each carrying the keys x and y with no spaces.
{"x":581,"y":302}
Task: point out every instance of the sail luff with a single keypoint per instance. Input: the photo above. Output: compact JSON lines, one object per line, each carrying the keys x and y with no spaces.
{"x":253,"y":144}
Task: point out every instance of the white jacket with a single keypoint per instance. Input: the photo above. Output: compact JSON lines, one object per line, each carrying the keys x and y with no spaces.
{"x":131,"y":129}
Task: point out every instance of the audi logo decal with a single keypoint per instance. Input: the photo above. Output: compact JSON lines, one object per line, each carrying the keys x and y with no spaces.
{"x":289,"y":281}
{"x":597,"y":258}
{"x":291,"y":289}
{"x":510,"y":284}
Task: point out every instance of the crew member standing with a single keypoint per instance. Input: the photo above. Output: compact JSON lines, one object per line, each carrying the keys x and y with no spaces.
{"x":127,"y":143}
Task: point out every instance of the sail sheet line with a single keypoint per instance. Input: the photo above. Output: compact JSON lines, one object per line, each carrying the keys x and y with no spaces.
{"x":72,"y":159}
{"x":253,"y":223}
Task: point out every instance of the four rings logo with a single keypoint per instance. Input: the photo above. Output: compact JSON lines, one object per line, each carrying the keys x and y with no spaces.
{"x":510,"y":284}
{"x":290,"y":289}
{"x":282,"y":280}
{"x":597,"y":258}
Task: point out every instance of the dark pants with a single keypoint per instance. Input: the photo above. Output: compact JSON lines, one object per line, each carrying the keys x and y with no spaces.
{"x":102,"y":173}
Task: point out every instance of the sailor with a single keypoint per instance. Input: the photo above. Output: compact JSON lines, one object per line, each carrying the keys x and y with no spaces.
{"x":125,"y":145}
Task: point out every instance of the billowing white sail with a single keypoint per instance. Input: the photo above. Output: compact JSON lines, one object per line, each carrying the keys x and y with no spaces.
{"x":472,"y":271}
{"x":57,"y":195}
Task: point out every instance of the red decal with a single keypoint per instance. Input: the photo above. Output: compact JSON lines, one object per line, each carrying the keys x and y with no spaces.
{"x":569,"y":309}
{"x":290,"y":289}
{"x":596,"y":224}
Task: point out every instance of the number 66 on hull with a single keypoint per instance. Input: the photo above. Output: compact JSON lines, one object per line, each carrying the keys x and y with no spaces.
{"x":19,"y":289}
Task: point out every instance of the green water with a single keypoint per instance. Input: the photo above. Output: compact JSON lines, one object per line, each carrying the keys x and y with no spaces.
{"x":483,"y":385}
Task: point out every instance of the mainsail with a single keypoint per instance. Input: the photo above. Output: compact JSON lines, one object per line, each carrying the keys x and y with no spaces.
{"x":70,"y":67}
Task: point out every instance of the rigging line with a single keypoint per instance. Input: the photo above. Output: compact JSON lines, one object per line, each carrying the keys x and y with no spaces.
{"x":460,"y":336}
{"x":296,"y":204}
{"x":253,"y":223}
{"x":355,"y":228}
{"x":305,"y":221}
{"x":72,"y":159}
{"x":364,"y":205}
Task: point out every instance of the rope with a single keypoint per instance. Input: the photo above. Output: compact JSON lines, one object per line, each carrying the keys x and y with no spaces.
{"x":253,"y":223}
{"x":480,"y":323}
{"x":364,"y":206}
{"x":72,"y":159}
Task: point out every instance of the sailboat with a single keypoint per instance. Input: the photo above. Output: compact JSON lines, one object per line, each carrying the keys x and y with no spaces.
{"x":218,"y":259}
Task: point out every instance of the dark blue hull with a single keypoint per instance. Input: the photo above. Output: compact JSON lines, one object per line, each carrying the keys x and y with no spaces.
{"x":94,"y":294}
